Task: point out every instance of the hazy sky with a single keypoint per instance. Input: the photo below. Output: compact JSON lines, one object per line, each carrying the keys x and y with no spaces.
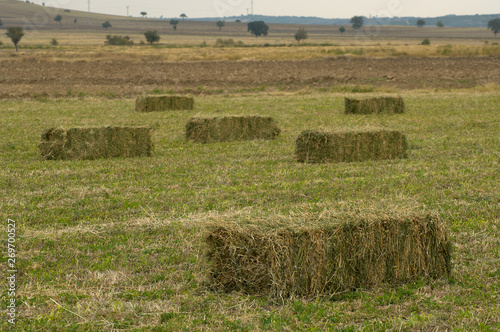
{"x":320,"y":8}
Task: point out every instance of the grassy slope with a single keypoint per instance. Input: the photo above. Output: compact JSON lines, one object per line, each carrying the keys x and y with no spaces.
{"x":116,"y":242}
{"x":40,"y":20}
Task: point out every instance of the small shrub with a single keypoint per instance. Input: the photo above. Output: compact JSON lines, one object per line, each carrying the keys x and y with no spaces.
{"x":54,"y":42}
{"x":118,"y":40}
{"x":228,"y":43}
{"x":426,"y":41}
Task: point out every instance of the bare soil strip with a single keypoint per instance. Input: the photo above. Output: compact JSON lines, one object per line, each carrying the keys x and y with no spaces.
{"x":127,"y":78}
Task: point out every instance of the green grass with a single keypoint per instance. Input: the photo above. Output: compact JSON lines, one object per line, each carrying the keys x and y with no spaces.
{"x":116,"y":243}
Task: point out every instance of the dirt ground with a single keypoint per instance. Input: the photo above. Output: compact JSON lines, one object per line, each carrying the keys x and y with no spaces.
{"x":123,"y":78}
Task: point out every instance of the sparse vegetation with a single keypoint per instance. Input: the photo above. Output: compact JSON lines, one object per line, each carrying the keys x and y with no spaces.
{"x":152,"y":36}
{"x":426,"y":41}
{"x":118,"y":40}
{"x":301,"y":34}
{"x":220,"y":24}
{"x":58,"y":19}
{"x":1,"y":23}
{"x":54,"y":42}
{"x":228,"y":43}
{"x":15,"y":34}
{"x":258,"y":28}
{"x":357,"y":22}
{"x":106,"y":25}
{"x":174,"y":23}
{"x":494,"y":25}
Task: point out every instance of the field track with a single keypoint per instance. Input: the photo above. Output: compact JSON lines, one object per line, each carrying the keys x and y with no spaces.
{"x":127,"y":78}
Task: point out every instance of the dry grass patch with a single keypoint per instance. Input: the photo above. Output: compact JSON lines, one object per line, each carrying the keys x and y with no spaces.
{"x":95,"y":143}
{"x":313,"y":146}
{"x":163,"y":103}
{"x":326,"y":254}
{"x":231,"y":128}
{"x":374,"y":105}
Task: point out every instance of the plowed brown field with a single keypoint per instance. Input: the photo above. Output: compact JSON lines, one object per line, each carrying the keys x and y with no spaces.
{"x":127,"y":78}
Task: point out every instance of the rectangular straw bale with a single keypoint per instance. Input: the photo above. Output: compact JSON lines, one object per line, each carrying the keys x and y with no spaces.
{"x":231,"y":128}
{"x":94,"y":143}
{"x":163,"y":103}
{"x":316,"y":258}
{"x":315,"y":146}
{"x":374,"y":105}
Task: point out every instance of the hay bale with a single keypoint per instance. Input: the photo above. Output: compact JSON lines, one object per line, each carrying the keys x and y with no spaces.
{"x":374,"y":105}
{"x":231,"y":128}
{"x":318,"y":257}
{"x":94,"y":143}
{"x":315,"y":146}
{"x":163,"y":103}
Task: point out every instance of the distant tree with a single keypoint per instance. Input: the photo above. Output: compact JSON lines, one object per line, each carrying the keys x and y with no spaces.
{"x":220,"y":24}
{"x":152,"y":36}
{"x":357,"y":22}
{"x":258,"y":28}
{"x":301,"y":34}
{"x":144,"y":14}
{"x":238,"y":21}
{"x":107,"y":25}
{"x":15,"y":34}
{"x":75,"y":20}
{"x":440,"y":24}
{"x":67,"y":11}
{"x":174,"y":23}
{"x":494,"y":25}
{"x":420,"y":23}
{"x":342,"y":30}
{"x":426,"y":41}
{"x":54,"y":42}
{"x":1,"y":23}
{"x":183,"y":16}
{"x":58,"y":18}
{"x":43,"y":4}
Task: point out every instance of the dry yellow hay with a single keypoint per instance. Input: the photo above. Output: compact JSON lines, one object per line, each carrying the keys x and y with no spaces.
{"x":231,"y":128}
{"x":94,"y":143}
{"x":374,"y":105}
{"x":315,"y":146}
{"x":326,"y":254}
{"x":163,"y":103}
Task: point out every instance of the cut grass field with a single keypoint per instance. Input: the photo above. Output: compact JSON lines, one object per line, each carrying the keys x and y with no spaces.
{"x":118,"y":243}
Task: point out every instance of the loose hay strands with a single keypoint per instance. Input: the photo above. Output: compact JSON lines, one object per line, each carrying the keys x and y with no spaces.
{"x":231,"y":128}
{"x":374,"y":105}
{"x":324,"y":255}
{"x":163,"y":103}
{"x":94,"y":143}
{"x":315,"y":146}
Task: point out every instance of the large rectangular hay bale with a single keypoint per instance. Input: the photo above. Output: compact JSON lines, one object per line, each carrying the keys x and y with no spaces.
{"x":162,"y":103}
{"x":94,"y":143}
{"x":231,"y":128}
{"x":315,"y":146}
{"x":320,"y":257}
{"x":374,"y":105}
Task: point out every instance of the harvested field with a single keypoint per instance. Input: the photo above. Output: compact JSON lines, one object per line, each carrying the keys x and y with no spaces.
{"x":374,"y":105}
{"x":131,"y":78}
{"x":314,"y":146}
{"x":95,"y":143}
{"x":163,"y":103}
{"x":231,"y":128}
{"x":320,"y":257}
